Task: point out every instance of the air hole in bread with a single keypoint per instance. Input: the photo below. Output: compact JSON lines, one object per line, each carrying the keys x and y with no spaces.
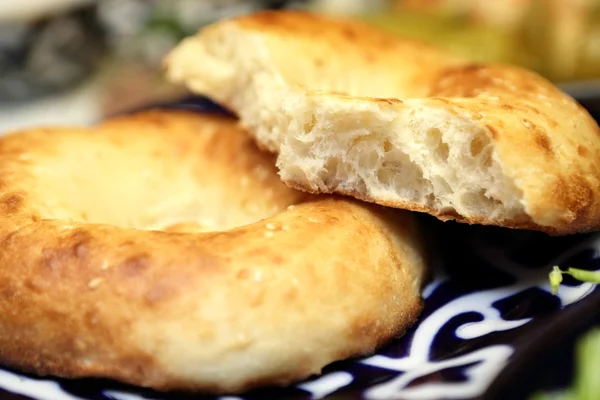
{"x":441,"y":186}
{"x":477,"y":145}
{"x":387,"y":146}
{"x":433,"y":136}
{"x":433,"y":139}
{"x":473,"y":200}
{"x":310,"y":125}
{"x":443,"y":151}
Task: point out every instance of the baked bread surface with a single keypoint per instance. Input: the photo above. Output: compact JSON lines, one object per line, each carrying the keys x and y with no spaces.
{"x":352,"y":110}
{"x":162,"y":250}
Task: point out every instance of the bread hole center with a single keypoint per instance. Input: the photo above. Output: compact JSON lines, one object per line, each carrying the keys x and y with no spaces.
{"x":157,"y":184}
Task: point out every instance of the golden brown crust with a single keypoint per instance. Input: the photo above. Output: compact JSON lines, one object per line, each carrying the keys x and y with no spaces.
{"x":90,"y":292}
{"x":547,"y":144}
{"x":313,"y":37}
{"x":538,"y":132}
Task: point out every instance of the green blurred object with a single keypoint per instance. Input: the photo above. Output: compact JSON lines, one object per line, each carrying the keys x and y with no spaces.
{"x":562,"y":39}
{"x":586,"y":385}
{"x":587,"y":378}
{"x":555,"y":279}
{"x":556,"y":274}
{"x":480,"y":43}
{"x":560,"y":48}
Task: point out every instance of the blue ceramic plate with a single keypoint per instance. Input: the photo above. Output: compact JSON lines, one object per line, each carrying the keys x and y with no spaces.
{"x":490,"y":328}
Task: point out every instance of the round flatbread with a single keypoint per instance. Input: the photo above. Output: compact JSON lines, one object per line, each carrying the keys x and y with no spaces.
{"x":353,"y":110}
{"x":162,"y":250}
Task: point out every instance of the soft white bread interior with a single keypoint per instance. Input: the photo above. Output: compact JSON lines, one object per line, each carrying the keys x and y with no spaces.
{"x":355,"y":111}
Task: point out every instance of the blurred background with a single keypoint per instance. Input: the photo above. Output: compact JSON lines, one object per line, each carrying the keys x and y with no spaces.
{"x":78,"y":61}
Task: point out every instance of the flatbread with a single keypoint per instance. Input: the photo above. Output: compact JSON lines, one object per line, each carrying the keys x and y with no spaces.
{"x":353,"y":110}
{"x":162,"y":250}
